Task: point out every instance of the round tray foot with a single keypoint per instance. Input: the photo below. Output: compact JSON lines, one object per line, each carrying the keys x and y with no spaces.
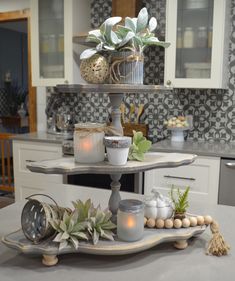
{"x":181,"y":244}
{"x":49,"y":260}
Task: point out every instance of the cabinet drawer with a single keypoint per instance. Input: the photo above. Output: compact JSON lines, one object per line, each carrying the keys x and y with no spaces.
{"x":202,"y":177}
{"x":28,"y":152}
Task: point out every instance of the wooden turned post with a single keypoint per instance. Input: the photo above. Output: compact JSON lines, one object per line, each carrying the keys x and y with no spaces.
{"x":115,"y":197}
{"x":49,"y":260}
{"x":181,"y":244}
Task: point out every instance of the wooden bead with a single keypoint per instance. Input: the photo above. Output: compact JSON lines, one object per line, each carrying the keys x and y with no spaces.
{"x":145,"y":221}
{"x":200,"y":220}
{"x":193,"y":221}
{"x":185,"y":222}
{"x":208,"y":219}
{"x":177,"y":223}
{"x":159,"y":223}
{"x":168,"y":223}
{"x":151,"y":223}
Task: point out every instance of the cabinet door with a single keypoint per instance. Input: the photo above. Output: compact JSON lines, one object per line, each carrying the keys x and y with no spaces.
{"x":51,"y":39}
{"x":202,"y":177}
{"x":198,"y":53}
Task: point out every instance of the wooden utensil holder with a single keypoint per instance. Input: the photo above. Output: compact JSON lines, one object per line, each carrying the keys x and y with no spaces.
{"x":129,"y":127}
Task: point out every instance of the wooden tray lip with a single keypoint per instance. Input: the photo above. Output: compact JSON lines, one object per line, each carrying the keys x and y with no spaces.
{"x":67,"y":165}
{"x":105,"y":247}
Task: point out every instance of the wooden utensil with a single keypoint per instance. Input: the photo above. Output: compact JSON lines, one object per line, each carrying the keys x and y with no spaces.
{"x":132,"y":110}
{"x":139,"y":113}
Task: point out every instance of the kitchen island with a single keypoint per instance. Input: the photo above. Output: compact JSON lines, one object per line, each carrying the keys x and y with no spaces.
{"x":162,"y":262}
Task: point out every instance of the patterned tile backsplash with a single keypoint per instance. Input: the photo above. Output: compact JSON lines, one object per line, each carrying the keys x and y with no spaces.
{"x":213,"y":111}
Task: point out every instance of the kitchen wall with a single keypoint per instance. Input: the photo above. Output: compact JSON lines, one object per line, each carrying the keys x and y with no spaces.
{"x":213,"y":110}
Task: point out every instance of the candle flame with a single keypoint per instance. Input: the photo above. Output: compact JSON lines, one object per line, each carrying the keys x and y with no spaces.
{"x":131,"y":222}
{"x":86,"y":145}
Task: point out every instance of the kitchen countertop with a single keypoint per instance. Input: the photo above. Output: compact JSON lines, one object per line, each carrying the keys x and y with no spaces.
{"x":40,"y":137}
{"x":215,"y":149}
{"x":162,"y":262}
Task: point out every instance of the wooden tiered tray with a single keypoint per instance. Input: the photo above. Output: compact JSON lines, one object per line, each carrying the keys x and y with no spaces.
{"x":152,"y":237}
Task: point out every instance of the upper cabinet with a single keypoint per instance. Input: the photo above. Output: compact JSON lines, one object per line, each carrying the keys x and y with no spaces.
{"x":55,"y":59}
{"x":199,"y":34}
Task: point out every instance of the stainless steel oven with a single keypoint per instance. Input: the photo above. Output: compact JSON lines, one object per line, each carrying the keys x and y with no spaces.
{"x":227,"y":182}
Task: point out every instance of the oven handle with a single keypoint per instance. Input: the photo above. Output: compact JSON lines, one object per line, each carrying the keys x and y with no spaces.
{"x":180,"y":178}
{"x":230,"y":165}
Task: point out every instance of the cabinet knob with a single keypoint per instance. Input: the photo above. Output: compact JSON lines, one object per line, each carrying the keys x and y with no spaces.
{"x":168,"y":82}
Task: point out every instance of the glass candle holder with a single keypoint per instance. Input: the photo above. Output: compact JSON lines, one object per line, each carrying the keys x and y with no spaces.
{"x":130,"y":220}
{"x":88,"y":142}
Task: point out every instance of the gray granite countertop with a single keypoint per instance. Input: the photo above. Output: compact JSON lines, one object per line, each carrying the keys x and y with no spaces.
{"x":162,"y":262}
{"x":41,"y":137}
{"x":216,"y":149}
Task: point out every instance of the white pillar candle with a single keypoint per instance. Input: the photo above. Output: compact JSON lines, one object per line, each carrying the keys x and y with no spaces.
{"x":88,"y":143}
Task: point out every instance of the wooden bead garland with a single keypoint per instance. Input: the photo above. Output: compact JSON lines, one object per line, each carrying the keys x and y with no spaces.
{"x":178,"y":223}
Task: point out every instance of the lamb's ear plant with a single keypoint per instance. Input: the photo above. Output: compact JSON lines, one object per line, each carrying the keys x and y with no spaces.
{"x":84,"y":223}
{"x":139,"y":147}
{"x":100,"y":225}
{"x":69,"y":230}
{"x":134,"y":35}
{"x":142,"y":27}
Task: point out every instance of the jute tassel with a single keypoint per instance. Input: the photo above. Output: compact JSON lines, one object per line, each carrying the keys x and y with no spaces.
{"x":217,"y":245}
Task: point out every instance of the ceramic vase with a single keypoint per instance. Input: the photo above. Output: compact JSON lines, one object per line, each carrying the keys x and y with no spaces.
{"x":117,"y":149}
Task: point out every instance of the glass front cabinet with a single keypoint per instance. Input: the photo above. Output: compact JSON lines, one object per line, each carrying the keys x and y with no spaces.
{"x":55,"y":58}
{"x":199,"y":34}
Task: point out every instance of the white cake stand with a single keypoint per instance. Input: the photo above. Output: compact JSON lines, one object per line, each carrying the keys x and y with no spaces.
{"x":177,"y":134}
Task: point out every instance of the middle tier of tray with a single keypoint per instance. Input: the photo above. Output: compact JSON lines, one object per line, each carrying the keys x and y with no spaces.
{"x":153,"y":160}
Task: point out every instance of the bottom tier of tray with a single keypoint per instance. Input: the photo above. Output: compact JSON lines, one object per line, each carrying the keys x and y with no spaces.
{"x":152,"y":237}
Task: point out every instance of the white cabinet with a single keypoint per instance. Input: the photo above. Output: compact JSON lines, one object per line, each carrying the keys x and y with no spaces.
{"x":202,"y":176}
{"x":26,"y":182}
{"x":199,"y":36}
{"x":55,"y":59}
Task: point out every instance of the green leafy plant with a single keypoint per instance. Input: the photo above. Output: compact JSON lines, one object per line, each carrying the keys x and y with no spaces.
{"x":179,"y":199}
{"x":69,"y":230}
{"x":100,"y":225}
{"x":135,"y":35}
{"x":139,"y":146}
{"x":84,"y":223}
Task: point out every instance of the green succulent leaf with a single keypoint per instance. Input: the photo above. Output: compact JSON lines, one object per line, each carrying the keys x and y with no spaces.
{"x":142,"y":20}
{"x":131,"y":24}
{"x":139,"y":146}
{"x":63,"y":245}
{"x":86,"y":54}
{"x":108,"y":235}
{"x":144,"y":146}
{"x":152,"y":24}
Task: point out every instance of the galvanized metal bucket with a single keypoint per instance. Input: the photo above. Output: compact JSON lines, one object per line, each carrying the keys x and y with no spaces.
{"x":126,"y":68}
{"x":36,"y":216}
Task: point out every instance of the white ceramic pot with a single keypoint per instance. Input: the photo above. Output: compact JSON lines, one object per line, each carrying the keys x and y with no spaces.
{"x":163,"y":205}
{"x":117,"y":149}
{"x":150,"y":208}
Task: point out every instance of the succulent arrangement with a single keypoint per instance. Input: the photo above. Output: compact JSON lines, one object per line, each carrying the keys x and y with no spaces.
{"x":85,"y":222}
{"x":180,"y":200}
{"x":139,"y":146}
{"x":134,"y":35}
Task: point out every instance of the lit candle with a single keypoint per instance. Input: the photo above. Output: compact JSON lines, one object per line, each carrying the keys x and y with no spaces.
{"x":88,"y":142}
{"x":130,"y":220}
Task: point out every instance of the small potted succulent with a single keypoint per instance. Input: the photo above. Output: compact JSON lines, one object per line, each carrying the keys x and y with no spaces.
{"x":180,"y":201}
{"x":124,"y":44}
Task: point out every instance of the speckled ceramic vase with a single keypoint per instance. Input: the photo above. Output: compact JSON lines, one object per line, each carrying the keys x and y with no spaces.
{"x":117,"y":149}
